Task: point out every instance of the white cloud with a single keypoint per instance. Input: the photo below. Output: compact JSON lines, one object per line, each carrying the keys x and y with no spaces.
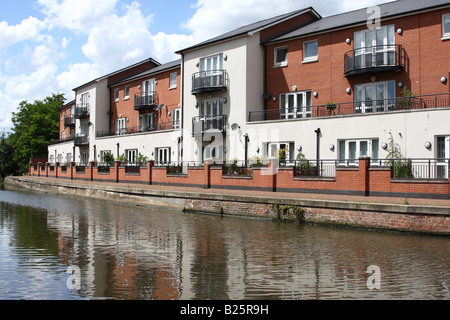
{"x":28,"y":29}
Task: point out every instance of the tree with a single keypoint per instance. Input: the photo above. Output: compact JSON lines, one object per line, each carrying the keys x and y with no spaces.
{"x":7,"y":164}
{"x":35,"y":125}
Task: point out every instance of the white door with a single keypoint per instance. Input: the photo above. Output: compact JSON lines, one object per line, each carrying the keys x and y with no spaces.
{"x":148,"y":92}
{"x":211,"y":68}
{"x":443,"y":156}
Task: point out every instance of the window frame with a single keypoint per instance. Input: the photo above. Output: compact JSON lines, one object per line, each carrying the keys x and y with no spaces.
{"x":347,"y":161}
{"x":275,"y":56}
{"x":165,"y":152}
{"x":305,"y":109}
{"x":445,"y":35}
{"x":173,"y":78}
{"x":116,"y":95}
{"x":310,"y":58}
{"x":126,"y":93}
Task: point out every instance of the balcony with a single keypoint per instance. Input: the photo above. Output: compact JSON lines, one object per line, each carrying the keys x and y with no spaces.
{"x":397,"y":104}
{"x":374,"y":59}
{"x":209,"y":124}
{"x":69,"y":121}
{"x":81,"y":140}
{"x":209,"y":81}
{"x":81,"y":111}
{"x":136,"y":130}
{"x":146,"y":100}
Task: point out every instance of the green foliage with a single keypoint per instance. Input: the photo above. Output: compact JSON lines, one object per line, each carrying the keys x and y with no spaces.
{"x":402,"y":168}
{"x":35,"y":125}
{"x":122,"y":158}
{"x":141,"y":158}
{"x":108,"y":158}
{"x":7,"y":164}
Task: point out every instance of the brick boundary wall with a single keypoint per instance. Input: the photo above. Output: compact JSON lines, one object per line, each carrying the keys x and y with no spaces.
{"x":361,"y":180}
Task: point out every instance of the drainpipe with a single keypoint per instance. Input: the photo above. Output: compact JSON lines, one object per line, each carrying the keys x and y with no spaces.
{"x":246,"y":148}
{"x":318,"y":131}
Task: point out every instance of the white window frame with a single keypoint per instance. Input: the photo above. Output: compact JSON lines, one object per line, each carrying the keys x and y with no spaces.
{"x":277,"y":63}
{"x":301,"y":107}
{"x":173,"y":80}
{"x":131,"y":155}
{"x":310,"y":58}
{"x":363,"y":104}
{"x":84,"y":158}
{"x":68,"y":157}
{"x":121,"y":126}
{"x":176,"y":118}
{"x":126,"y":93}
{"x":370,"y":147}
{"x":445,"y":33}
{"x":366,"y":50}
{"x":102,"y":155}
{"x":146,"y":122}
{"x":116,"y":95}
{"x":271,"y":149}
{"x":162,"y":156}
{"x":85,"y":100}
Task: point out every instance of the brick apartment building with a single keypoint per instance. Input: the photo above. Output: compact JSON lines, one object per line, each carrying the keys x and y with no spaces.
{"x":330,"y":88}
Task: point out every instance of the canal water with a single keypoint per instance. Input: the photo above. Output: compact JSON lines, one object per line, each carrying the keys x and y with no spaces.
{"x":56,"y":247}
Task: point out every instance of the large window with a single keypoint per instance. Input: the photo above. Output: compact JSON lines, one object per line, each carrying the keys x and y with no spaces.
{"x":173,"y":80}
{"x":146,"y":122}
{"x":284,"y":151}
{"x":375,"y":47}
{"x":176,"y":118}
{"x":295,"y":105}
{"x":121,"y":126}
{"x":280,"y":57}
{"x":351,"y":150}
{"x":446,"y":26}
{"x":131,"y":155}
{"x":374,"y":97}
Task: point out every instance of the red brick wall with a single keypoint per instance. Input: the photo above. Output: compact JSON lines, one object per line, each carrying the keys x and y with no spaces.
{"x":169,"y":97}
{"x":427,"y":60}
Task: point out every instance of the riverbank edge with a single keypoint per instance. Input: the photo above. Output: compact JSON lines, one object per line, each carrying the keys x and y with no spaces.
{"x":404,"y":218}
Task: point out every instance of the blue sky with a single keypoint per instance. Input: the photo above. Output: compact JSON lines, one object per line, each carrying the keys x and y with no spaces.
{"x":53,"y":46}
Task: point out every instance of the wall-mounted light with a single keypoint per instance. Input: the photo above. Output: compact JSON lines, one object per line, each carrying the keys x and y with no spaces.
{"x":294,"y":88}
{"x":399,"y":30}
{"x":348,"y":40}
{"x":225,"y":57}
{"x":331,"y":147}
{"x":315,"y":94}
{"x":257,"y":149}
{"x":348,"y":90}
{"x":444,"y":79}
{"x":274,"y":98}
{"x":373,"y":78}
{"x":428,"y":145}
{"x":400,"y":84}
{"x":224,"y":100}
{"x":197,"y":64}
{"x":299,"y":148}
{"x":384,"y":145}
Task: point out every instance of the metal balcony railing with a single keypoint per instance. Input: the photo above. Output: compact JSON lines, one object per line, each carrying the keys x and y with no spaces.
{"x":81,"y":111}
{"x":374,"y":59}
{"x":203,"y":124}
{"x":69,"y":121}
{"x":208,"y":81}
{"x":358,"y":107}
{"x":134,"y":130}
{"x":145,"y":100}
{"x":81,"y":140}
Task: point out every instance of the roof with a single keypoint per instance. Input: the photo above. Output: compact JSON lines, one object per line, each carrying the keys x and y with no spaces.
{"x":348,"y":19}
{"x":117,"y":71}
{"x":254,"y":27}
{"x":150,"y":72}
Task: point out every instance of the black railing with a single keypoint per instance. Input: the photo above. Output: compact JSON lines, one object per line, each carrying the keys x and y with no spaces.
{"x":207,"y":81}
{"x":314,"y":168}
{"x":179,"y":167}
{"x":133,"y":130}
{"x":69,"y":121}
{"x":441,"y":100}
{"x":145,"y":100}
{"x":62,"y":140}
{"x":81,"y":140}
{"x":81,"y":111}
{"x":202,"y":124}
{"x":416,"y":168}
{"x":373,"y":59}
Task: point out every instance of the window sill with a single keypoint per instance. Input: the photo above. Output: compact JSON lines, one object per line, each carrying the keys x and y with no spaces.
{"x":445,"y":37}
{"x":280,"y":65}
{"x":310,"y":60}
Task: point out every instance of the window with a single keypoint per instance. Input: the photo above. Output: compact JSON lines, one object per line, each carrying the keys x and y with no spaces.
{"x":102,"y":155}
{"x":280,"y":57}
{"x":146,"y":122}
{"x":59,"y":158}
{"x":442,"y":155}
{"x":84,"y":158}
{"x":446,"y":26}
{"x":131,"y":155}
{"x":375,"y":97}
{"x":163,"y":156}
{"x":63,"y":136}
{"x":295,"y":105}
{"x":375,"y":47}
{"x":126,"y":92}
{"x":116,"y":95}
{"x":173,"y":80}
{"x":211,"y":114}
{"x":284,"y":151}
{"x":310,"y":51}
{"x":68,"y":158}
{"x":121,"y":126}
{"x":351,"y":150}
{"x":85,"y":100}
{"x":176,"y":117}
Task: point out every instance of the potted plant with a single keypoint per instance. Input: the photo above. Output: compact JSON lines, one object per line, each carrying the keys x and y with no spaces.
{"x":330,"y":106}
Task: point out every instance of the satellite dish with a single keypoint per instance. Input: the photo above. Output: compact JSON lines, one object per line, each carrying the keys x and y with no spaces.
{"x":266,"y":96}
{"x":235,"y":127}
{"x":156,"y":108}
{"x":163,"y":106}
